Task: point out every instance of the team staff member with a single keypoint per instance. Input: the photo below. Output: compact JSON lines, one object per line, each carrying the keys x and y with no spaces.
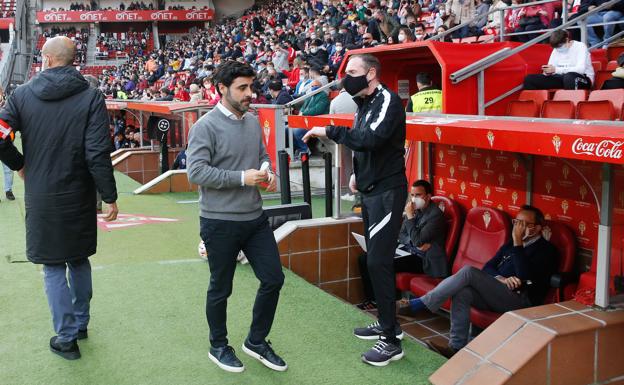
{"x":428,"y":98}
{"x":66,"y":143}
{"x":225,"y":157}
{"x":377,"y":137}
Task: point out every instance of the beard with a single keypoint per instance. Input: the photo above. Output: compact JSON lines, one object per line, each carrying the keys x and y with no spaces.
{"x":241,"y":106}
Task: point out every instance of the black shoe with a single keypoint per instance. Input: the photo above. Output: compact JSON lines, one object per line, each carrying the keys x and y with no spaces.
{"x":373,"y":332}
{"x":82,"y":334}
{"x":367,"y":305}
{"x":67,"y":350}
{"x":10,"y":196}
{"x":382,"y":353}
{"x":264,"y":353}
{"x":226,"y":359}
{"x":443,"y":350}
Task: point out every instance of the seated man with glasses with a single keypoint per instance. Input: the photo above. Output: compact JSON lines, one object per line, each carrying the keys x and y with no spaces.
{"x":518,"y":276}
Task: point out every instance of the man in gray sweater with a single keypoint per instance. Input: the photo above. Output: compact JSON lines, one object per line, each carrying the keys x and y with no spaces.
{"x":227,"y":159}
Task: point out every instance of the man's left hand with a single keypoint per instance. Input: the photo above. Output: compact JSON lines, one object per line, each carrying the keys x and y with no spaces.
{"x":21,"y":173}
{"x":425,"y":247}
{"x":315,"y":132}
{"x":272,"y":187}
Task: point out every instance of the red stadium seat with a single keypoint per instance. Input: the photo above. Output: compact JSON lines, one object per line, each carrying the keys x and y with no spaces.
{"x":538,"y":96}
{"x":523,"y":108}
{"x":601,"y":77}
{"x":614,"y":96}
{"x":485,"y":231}
{"x":612,"y":65}
{"x":453,"y":215}
{"x":558,"y":109}
{"x":574,"y":96}
{"x":564,"y":240}
{"x":598,"y":110}
{"x":597,"y":66}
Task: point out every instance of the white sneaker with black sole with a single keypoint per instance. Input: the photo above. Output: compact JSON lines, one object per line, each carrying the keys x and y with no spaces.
{"x":382,"y":353}
{"x":264,"y":353}
{"x":373,"y":332}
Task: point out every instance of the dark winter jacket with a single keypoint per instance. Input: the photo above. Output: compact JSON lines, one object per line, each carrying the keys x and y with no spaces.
{"x":65,"y":135}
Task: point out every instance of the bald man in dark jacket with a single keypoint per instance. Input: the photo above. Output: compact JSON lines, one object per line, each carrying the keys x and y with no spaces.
{"x":66,"y":143}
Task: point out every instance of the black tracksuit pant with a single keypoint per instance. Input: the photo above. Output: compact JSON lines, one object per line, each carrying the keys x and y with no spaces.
{"x":223,"y":240}
{"x":382,"y":214}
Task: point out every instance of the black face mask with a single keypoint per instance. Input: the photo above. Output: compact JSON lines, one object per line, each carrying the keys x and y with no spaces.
{"x":354,"y":84}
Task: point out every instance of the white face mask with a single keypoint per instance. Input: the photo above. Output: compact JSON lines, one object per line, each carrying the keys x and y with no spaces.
{"x":338,"y":48}
{"x":401,"y":38}
{"x":418,"y":202}
{"x":418,"y":37}
{"x":314,"y":50}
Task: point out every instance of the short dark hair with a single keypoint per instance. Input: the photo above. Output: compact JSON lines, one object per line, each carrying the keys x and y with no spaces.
{"x":230,"y":70}
{"x":275,"y":85}
{"x":370,"y":61}
{"x":558,"y":38}
{"x":539,"y":215}
{"x":424,"y":184}
{"x":423,"y":78}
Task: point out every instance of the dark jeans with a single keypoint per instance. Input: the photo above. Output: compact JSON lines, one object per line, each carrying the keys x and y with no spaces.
{"x":527,"y":28}
{"x":613,"y":83}
{"x":569,"y":81}
{"x":382,"y":215}
{"x":409,"y":264}
{"x":471,"y":287}
{"x":224,"y":240}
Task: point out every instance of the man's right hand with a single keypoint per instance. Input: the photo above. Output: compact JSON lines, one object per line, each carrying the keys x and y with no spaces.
{"x":254,"y":177}
{"x":512,"y":283}
{"x":352,"y":184}
{"x":112,"y":212}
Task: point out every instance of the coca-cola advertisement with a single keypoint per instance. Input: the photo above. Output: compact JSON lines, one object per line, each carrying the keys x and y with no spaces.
{"x":123,"y":16}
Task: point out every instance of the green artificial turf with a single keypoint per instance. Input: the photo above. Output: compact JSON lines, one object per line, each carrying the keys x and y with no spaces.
{"x":148,"y":324}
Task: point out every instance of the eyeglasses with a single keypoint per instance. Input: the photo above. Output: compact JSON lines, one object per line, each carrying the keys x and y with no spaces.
{"x":528,"y":224}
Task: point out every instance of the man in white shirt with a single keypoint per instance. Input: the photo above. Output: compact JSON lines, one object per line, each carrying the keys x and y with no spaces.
{"x":569,"y":66}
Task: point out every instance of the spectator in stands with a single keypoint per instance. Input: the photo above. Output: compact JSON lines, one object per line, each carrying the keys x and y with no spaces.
{"x":368,"y":41}
{"x":569,"y":66}
{"x":335,"y":60}
{"x":165,"y":95}
{"x":428,"y":98}
{"x":518,"y":276}
{"x":342,"y":104}
{"x":617,"y":81}
{"x":615,"y":13}
{"x":419,"y":32}
{"x":442,"y":29}
{"x":317,"y":104}
{"x":388,"y":25}
{"x":406,"y":35}
{"x":68,"y":157}
{"x":482,"y":8}
{"x":210,"y":92}
{"x":303,"y":86}
{"x":180,"y":93}
{"x":317,"y":56}
{"x":534,"y":18}
{"x":195,"y":93}
{"x":279,"y":95}
{"x":494,"y":20}
{"x":423,"y":234}
{"x":458,"y":12}
{"x":120,"y":141}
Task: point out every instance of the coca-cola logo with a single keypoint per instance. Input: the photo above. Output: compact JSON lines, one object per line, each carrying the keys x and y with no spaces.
{"x":55,"y":17}
{"x":122,"y":16}
{"x":89,"y":16}
{"x":604,"y":149}
{"x":162,"y":16}
{"x":196,"y":15}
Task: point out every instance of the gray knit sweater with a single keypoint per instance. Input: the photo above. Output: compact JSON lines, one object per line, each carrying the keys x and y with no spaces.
{"x":219,"y":150}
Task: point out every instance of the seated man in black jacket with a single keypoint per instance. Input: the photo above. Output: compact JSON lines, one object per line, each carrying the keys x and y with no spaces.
{"x":423,"y":234}
{"x":517,"y":277}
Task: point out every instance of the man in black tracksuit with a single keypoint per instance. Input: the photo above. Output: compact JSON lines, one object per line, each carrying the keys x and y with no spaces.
{"x":377,"y":138}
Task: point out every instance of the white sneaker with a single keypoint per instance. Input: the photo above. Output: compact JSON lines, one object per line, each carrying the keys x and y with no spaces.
{"x":242,"y":258}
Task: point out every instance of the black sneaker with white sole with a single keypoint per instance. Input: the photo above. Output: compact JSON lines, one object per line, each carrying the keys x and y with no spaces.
{"x":373,"y":332}
{"x":264,"y":353}
{"x":226,"y":359}
{"x":382,"y":353}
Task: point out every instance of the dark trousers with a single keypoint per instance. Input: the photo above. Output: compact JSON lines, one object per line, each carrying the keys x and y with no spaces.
{"x":382,"y":215}
{"x":569,"y":81}
{"x":408,"y":264}
{"x":613,"y":83}
{"x":224,"y":240}
{"x":471,"y":287}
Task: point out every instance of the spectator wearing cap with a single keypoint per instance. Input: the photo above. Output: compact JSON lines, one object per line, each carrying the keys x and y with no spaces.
{"x":617,"y":81}
{"x":279,"y":95}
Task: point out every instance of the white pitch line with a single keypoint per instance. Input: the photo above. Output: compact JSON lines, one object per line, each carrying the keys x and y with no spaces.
{"x":175,"y":261}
